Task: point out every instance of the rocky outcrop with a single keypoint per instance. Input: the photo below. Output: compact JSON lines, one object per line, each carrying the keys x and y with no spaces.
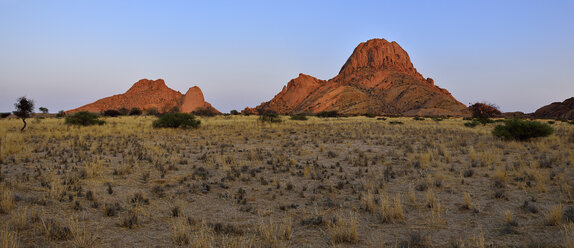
{"x":378,"y":78}
{"x":557,"y":110}
{"x":193,"y":100}
{"x":146,"y":94}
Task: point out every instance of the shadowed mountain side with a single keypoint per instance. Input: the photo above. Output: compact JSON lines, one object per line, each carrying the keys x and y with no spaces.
{"x":557,"y":110}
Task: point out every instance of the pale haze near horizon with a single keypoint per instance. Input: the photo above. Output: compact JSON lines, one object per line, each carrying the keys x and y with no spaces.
{"x":65,"y":54}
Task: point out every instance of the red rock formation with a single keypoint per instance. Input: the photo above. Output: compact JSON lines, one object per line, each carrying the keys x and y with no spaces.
{"x":377,"y":78}
{"x":557,"y":110}
{"x":249,"y":111}
{"x":193,"y":100}
{"x":146,"y":94}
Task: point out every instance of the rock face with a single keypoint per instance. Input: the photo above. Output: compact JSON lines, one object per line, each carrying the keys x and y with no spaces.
{"x":378,"y":78}
{"x":146,"y":94}
{"x":557,"y":110}
{"x":193,"y":100}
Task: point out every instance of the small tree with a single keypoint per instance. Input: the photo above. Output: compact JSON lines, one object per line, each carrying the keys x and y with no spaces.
{"x":234,"y":112}
{"x":484,"y":111}
{"x":44,"y":110}
{"x":24,"y":108}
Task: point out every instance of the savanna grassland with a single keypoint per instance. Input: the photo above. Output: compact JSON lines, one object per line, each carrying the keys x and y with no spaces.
{"x":235,"y":182}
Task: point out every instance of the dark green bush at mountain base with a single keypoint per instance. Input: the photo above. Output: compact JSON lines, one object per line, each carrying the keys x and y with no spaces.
{"x":175,"y":120}
{"x":299,"y":117}
{"x":270,"y":117}
{"x":516,"y":129}
{"x":84,"y":118}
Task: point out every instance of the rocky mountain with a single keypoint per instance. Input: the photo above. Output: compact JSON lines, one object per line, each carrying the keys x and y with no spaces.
{"x":146,"y":94}
{"x":378,"y":78}
{"x":193,"y":100}
{"x":557,"y":110}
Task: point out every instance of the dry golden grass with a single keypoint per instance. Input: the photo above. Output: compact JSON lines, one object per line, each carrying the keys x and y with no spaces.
{"x":555,"y":215}
{"x":344,"y":229}
{"x":568,"y":235}
{"x":315,"y":183}
{"x":6,"y":200}
{"x":467,"y":201}
{"x":8,"y":238}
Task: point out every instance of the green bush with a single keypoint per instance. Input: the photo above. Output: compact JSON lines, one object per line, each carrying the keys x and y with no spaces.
{"x":484,"y":121}
{"x":299,"y":117}
{"x":270,"y":117}
{"x":111,"y":113}
{"x":175,"y":120}
{"x":124,"y":111}
{"x":234,"y":112}
{"x":418,"y":118}
{"x":61,"y":114}
{"x":135,"y":111}
{"x":4,"y":115}
{"x":152,"y":111}
{"x":84,"y":118}
{"x":326,"y":114}
{"x":516,"y":129}
{"x":205,"y":111}
{"x":370,"y":115}
{"x":396,"y":122}
{"x":472,"y":123}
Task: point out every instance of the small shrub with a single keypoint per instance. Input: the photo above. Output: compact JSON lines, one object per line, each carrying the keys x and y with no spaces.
{"x":418,"y":118}
{"x":344,"y":229}
{"x":382,"y":119}
{"x":437,"y":118}
{"x":234,"y":112}
{"x":326,"y":114}
{"x":484,"y":121}
{"x":152,"y":111}
{"x":135,"y":111}
{"x":124,"y":111}
{"x":84,"y":118}
{"x":4,"y":115}
{"x":299,"y":117}
{"x":175,"y":120}
{"x":395,"y":122}
{"x":517,"y":129}
{"x":472,"y":123}
{"x":111,"y":113}
{"x":370,"y":115}
{"x":271,"y":117}
{"x":61,"y":114}
{"x":207,"y":111}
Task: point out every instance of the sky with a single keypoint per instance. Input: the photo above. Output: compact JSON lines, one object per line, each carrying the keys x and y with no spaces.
{"x":518,"y":55}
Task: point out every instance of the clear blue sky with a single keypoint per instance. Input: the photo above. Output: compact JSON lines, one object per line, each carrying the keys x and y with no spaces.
{"x":64,"y":54}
